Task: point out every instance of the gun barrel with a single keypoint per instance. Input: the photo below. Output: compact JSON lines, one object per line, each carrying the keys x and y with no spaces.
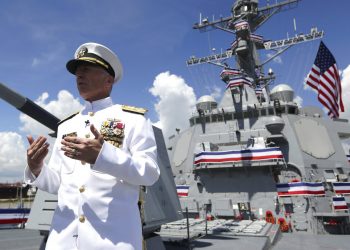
{"x":28,"y":107}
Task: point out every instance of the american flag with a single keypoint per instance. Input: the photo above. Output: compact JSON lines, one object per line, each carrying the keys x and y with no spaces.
{"x":324,"y":78}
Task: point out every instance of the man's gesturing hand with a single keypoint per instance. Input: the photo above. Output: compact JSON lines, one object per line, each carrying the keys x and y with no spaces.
{"x":82,"y":149}
{"x":36,"y":153}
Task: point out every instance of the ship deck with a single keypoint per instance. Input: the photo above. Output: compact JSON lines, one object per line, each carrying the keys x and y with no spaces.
{"x":25,"y":239}
{"x":20,"y":239}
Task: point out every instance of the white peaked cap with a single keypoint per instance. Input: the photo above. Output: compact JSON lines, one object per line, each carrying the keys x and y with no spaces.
{"x":97,"y":54}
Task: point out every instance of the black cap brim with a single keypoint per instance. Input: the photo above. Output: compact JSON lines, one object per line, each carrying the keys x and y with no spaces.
{"x":89,"y":59}
{"x":74,"y":63}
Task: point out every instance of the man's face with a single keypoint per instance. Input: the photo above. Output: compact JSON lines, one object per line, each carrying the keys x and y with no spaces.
{"x":93,"y":82}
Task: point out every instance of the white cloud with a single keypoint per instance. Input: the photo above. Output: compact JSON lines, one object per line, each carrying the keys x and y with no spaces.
{"x":13,"y":146}
{"x":277,"y":59}
{"x":345,"y":75}
{"x":35,"y":62}
{"x":65,"y":105}
{"x":299,"y":101}
{"x":215,"y":91}
{"x":176,"y":101}
{"x":12,"y":157}
{"x":49,"y":56}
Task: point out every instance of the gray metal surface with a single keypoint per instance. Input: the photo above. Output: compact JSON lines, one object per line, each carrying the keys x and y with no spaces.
{"x":20,"y":239}
{"x":312,"y":242}
{"x":313,"y":138}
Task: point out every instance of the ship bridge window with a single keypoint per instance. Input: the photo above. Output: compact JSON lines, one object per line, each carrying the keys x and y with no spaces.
{"x":329,"y":175}
{"x":292,"y":110}
{"x":214,"y":118}
{"x":245,"y":114}
{"x":220,"y":118}
{"x":254,"y":113}
{"x":198,"y":120}
{"x":340,"y":170}
{"x":192,"y":122}
{"x":207,"y":119}
{"x":271,"y":111}
{"x":263,"y":112}
{"x":238,"y":115}
{"x":228,"y":117}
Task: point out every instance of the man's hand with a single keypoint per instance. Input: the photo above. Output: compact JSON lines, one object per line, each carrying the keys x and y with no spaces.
{"x":82,"y":149}
{"x":36,"y":153}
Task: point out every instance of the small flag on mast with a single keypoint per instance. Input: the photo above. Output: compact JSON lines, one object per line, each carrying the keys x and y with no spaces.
{"x":324,"y":78}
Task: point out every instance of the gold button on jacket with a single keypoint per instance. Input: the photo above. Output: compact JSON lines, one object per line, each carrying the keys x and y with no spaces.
{"x":82,"y":218}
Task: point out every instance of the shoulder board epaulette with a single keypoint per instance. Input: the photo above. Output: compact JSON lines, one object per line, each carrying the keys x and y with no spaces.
{"x":133,"y":109}
{"x":67,"y":118}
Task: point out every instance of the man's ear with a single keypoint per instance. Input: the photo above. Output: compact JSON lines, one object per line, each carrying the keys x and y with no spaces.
{"x":109,"y":83}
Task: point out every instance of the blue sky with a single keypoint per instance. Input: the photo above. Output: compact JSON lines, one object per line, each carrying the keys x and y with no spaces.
{"x":151,"y":38}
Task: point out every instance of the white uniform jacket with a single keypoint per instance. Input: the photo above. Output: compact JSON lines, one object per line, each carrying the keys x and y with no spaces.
{"x":97,"y":204}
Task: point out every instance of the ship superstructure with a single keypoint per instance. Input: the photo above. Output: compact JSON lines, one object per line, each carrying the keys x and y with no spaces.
{"x":256,"y":155}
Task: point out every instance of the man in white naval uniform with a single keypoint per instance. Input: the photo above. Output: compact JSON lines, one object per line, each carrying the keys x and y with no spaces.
{"x":100,"y":158}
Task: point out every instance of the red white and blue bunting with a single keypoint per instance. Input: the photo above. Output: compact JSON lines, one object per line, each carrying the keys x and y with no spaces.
{"x":239,"y":81}
{"x":341,"y":187}
{"x":300,"y":189}
{"x":339,"y":203}
{"x":256,"y":38}
{"x":232,"y":156}
{"x":13,"y":216}
{"x":229,"y":73}
{"x":182,"y":190}
{"x":242,"y":25}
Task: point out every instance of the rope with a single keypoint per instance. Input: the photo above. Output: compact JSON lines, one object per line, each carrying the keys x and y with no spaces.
{"x":305,"y":65}
{"x":205,"y":77}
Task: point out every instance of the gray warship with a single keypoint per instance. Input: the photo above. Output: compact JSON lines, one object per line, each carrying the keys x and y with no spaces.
{"x":254,"y":171}
{"x":255,"y":167}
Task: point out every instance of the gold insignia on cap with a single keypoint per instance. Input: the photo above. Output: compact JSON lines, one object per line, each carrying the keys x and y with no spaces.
{"x":133,"y":109}
{"x":82,"y":52}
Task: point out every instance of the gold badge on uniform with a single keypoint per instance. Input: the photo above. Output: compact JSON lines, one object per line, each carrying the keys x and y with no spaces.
{"x":73,"y":134}
{"x":112,"y":131}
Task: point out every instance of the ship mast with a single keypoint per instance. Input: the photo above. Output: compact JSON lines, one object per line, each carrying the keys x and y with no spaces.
{"x":244,"y":82}
{"x":245,"y":20}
